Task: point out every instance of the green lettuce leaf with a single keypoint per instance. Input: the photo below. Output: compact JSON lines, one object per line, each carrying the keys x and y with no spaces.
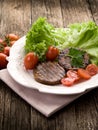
{"x":80,"y":35}
{"x":84,"y":36}
{"x":41,"y":36}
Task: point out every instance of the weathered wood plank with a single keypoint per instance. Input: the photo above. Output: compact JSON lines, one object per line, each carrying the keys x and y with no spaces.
{"x":6,"y":113}
{"x":66,"y":118}
{"x":50,"y":9}
{"x":93,"y":6}
{"x":20,"y":114}
{"x":54,"y":12}
{"x":74,"y":11}
{"x":15,"y":18}
{"x":86,"y":114}
{"x":2,"y":100}
{"x":15,"y":114}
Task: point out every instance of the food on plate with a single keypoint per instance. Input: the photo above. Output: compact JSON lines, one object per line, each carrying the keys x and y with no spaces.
{"x":83,"y":73}
{"x":41,"y":36}
{"x":73,"y":74}
{"x":67,"y":81}
{"x":52,"y":53}
{"x":78,"y":35}
{"x":49,"y":73}
{"x":70,"y":78}
{"x":92,"y":69}
{"x":73,"y":58}
{"x":73,"y":48}
{"x":79,"y":74}
{"x":30,"y":60}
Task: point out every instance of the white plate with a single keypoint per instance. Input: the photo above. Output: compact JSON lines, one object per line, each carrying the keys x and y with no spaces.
{"x":17,"y":71}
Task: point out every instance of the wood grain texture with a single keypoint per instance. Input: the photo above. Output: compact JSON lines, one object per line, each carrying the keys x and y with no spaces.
{"x":15,"y":114}
{"x":75,"y":11}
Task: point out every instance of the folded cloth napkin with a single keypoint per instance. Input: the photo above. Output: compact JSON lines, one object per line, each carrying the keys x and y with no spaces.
{"x":47,"y":104}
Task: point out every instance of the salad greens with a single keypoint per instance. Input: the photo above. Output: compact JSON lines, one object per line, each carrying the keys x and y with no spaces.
{"x":84,"y":36}
{"x":77,"y":57}
{"x":80,"y":35}
{"x":41,"y":36}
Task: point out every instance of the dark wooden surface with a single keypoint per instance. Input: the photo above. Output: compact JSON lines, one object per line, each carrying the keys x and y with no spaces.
{"x":15,"y":114}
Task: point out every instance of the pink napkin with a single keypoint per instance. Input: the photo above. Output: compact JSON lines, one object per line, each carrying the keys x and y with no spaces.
{"x":47,"y":104}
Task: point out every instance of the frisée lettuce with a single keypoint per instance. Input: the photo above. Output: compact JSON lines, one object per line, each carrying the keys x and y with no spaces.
{"x":80,"y":35}
{"x":41,"y":36}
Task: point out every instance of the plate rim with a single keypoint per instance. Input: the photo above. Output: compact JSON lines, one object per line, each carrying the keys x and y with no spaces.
{"x":41,"y":89}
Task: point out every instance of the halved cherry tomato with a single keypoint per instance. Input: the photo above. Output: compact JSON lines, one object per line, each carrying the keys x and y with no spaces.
{"x":83,"y":73}
{"x":6,"y":50}
{"x":52,"y":53}
{"x":3,"y":61}
{"x":73,"y":74}
{"x":92,"y":69}
{"x":12,"y":37}
{"x":30,"y":60}
{"x":67,"y":81}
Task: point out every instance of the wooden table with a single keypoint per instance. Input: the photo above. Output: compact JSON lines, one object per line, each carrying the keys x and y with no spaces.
{"x":17,"y":16}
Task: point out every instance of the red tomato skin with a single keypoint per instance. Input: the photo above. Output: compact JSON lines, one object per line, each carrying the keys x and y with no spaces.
{"x":6,"y":50}
{"x":83,"y":74}
{"x":67,"y":81}
{"x":52,"y":53}
{"x":1,"y":40}
{"x":30,"y":60}
{"x":4,"y":43}
{"x":12,"y":37}
{"x":3,"y":61}
{"x":92,"y":69}
{"x":73,"y":74}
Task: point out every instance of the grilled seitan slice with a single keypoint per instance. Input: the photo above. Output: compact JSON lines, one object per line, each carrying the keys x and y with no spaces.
{"x":65,"y":60}
{"x":49,"y":73}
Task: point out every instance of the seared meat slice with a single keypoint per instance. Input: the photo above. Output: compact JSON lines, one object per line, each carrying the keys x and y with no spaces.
{"x":49,"y":73}
{"x":66,"y":61}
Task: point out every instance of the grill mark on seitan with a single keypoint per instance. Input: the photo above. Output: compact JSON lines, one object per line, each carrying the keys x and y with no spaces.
{"x":49,"y":73}
{"x":65,"y":61}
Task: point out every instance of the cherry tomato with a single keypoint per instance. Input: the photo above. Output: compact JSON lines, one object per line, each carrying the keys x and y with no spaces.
{"x":12,"y":37}
{"x":92,"y":69}
{"x":30,"y":60}
{"x":83,"y":73}
{"x":73,"y":74}
{"x":1,"y":40}
{"x":3,"y":61}
{"x":67,"y":81}
{"x":4,"y":43}
{"x":52,"y":53}
{"x":6,"y":50}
